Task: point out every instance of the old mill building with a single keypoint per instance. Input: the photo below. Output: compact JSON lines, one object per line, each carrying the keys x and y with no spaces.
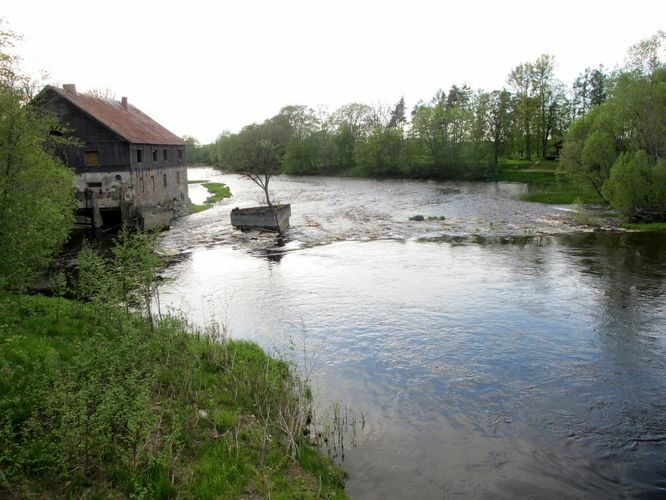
{"x":128,"y":167}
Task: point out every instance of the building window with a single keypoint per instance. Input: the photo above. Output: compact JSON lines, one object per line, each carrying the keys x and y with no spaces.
{"x":154,"y":155}
{"x":180,"y":154}
{"x":91,"y":159}
{"x":152,"y":180}
{"x":143,"y":186}
{"x":165,"y":154}
{"x":165,"y":180}
{"x":139,"y":155}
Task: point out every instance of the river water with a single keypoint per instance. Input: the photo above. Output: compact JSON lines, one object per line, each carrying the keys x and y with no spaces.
{"x":502,"y":352}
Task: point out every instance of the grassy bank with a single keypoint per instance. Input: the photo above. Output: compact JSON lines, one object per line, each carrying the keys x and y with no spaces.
{"x":645,"y":226}
{"x":218,"y":192}
{"x":547,"y":184}
{"x":96,"y":403}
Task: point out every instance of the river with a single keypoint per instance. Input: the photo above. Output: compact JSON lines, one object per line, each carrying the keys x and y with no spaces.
{"x":501,"y":352}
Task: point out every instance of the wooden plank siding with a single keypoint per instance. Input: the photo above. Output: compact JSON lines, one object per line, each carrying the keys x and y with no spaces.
{"x":113,"y":171}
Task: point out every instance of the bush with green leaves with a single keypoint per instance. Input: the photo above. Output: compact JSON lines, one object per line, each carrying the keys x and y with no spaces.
{"x":115,"y":408}
{"x":638,"y":187}
{"x":36,"y":193}
{"x":126,"y":279}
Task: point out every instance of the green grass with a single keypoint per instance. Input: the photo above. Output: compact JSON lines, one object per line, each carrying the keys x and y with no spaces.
{"x":198,"y":208}
{"x":218,"y":192}
{"x":93,"y":403}
{"x":645,"y":226}
{"x":546,"y":183}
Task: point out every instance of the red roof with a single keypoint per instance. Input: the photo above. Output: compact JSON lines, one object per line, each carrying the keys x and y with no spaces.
{"x":127,"y":121}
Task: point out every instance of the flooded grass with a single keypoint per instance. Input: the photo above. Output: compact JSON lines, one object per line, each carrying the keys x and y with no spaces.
{"x":646,"y":226}
{"x":547,"y":184}
{"x":218,"y":192}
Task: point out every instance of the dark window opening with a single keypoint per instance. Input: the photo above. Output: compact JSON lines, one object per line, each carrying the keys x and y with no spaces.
{"x":143,"y":187}
{"x":180,"y":154}
{"x":94,"y":184}
{"x":154,"y":155}
{"x":111,"y":217}
{"x":152,"y":179}
{"x":165,"y":180}
{"x":165,"y":154}
{"x":91,"y":159}
{"x":139,"y":155}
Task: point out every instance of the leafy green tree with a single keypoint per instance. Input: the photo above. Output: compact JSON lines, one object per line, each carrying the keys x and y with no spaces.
{"x":638,"y":187}
{"x":499,"y":122}
{"x":589,"y":89}
{"x":521,"y":80}
{"x":256,"y":152}
{"x":302,"y":121}
{"x":598,"y":86}
{"x":350,"y":123}
{"x":581,"y":93}
{"x":398,"y":118}
{"x":380,"y":154}
{"x":550,"y":96}
{"x":620,"y":145}
{"x":449,"y":137}
{"x":135,"y":263}
{"x":591,"y":146}
{"x":426,"y":135}
{"x":128,"y":279}
{"x":540,"y":104}
{"x":302,"y":156}
{"x":36,"y":189}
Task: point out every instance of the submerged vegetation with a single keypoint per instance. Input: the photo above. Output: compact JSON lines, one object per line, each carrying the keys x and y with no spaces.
{"x":547,"y":182}
{"x":218,"y":192}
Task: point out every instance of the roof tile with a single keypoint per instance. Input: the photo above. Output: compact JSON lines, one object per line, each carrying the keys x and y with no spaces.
{"x":129,"y":122}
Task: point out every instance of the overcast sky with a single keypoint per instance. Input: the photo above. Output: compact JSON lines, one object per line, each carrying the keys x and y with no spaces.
{"x":202,"y":67}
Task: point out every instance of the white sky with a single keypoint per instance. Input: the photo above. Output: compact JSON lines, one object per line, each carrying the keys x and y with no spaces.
{"x":201,"y":67}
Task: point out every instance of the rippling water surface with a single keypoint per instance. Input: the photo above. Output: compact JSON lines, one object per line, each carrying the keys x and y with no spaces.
{"x":493,"y":354}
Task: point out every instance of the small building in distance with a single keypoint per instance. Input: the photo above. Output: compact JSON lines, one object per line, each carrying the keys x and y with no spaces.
{"x":128,"y":167}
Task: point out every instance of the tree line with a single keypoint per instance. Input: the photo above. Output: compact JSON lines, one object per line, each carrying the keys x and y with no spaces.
{"x":458,"y":133}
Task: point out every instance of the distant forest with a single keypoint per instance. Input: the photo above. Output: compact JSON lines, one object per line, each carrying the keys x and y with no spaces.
{"x":459,"y":132}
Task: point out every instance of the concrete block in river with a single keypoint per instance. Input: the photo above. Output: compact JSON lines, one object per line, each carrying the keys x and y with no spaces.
{"x":273,"y":219}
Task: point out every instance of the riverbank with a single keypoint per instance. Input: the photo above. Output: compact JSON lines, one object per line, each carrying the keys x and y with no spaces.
{"x":97,"y":403}
{"x":546,"y":182}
